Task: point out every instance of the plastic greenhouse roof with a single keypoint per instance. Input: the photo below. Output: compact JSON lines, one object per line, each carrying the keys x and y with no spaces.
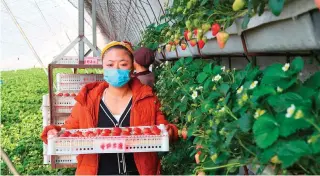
{"x":125,"y":19}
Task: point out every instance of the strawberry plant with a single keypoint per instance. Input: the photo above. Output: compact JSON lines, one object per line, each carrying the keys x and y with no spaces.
{"x":235,"y":118}
{"x":191,"y":19}
{"x":21,"y":122}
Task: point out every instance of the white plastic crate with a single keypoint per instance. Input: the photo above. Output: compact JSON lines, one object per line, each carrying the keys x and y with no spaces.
{"x":68,"y":60}
{"x":62,"y":159}
{"x":74,"y":82}
{"x":109,"y":144}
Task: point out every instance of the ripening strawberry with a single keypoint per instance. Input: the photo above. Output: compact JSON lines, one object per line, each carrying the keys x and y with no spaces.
{"x":184,"y":133}
{"x":168,"y":47}
{"x":183,"y":46}
{"x":197,"y":157}
{"x":222,"y":38}
{"x":238,"y":5}
{"x":202,"y":42}
{"x":193,"y":42}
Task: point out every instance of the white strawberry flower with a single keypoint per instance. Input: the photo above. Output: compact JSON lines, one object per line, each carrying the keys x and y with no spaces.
{"x":167,"y":63}
{"x":222,"y":110}
{"x":216,"y":78}
{"x":199,"y":88}
{"x":194,"y":94}
{"x":223,"y":68}
{"x":290,"y":110}
{"x":279,"y":89}
{"x":240,"y":90}
{"x":286,"y":67}
{"x":253,"y":84}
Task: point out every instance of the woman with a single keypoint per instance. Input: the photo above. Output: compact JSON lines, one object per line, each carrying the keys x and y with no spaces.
{"x":120,"y":101}
{"x":143,"y":58}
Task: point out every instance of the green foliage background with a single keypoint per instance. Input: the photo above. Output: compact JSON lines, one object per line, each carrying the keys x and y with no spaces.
{"x":21,"y":122}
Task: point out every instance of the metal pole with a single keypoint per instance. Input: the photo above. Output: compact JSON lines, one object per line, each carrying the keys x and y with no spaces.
{"x":81,"y":29}
{"x":8,"y":162}
{"x":24,"y":36}
{"x":94,"y":26}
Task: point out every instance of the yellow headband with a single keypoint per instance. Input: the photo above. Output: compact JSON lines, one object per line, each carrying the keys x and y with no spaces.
{"x":116,"y":43}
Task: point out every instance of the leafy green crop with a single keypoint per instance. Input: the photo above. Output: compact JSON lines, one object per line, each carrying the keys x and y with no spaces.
{"x":243,"y":117}
{"x":21,"y":122}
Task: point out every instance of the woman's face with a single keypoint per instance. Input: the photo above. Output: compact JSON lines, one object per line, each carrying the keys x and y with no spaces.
{"x":117,"y":59}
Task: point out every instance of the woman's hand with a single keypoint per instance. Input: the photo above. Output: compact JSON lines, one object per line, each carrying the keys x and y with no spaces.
{"x":50,"y":130}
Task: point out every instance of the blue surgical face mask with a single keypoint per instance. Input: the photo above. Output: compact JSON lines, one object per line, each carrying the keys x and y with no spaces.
{"x":116,"y":77}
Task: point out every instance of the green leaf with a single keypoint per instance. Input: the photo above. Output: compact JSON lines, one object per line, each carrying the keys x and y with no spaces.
{"x":245,"y":122}
{"x":306,"y":92}
{"x":315,"y":144}
{"x":188,"y":60}
{"x":161,"y":26}
{"x":202,"y":77}
{"x":281,"y":102}
{"x":229,"y":137}
{"x":214,"y":95}
{"x":273,"y":73}
{"x":267,"y":154}
{"x":276,"y":6}
{"x":262,"y":91}
{"x":266,"y":131}
{"x":289,"y":126}
{"x":224,"y":88}
{"x":207,"y":68}
{"x":313,"y":81}
{"x":245,"y":21}
{"x":203,"y":2}
{"x":290,"y":152}
{"x":317,"y":101}
{"x":297,"y":64}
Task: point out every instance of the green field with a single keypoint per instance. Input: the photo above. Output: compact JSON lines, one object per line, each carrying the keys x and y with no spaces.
{"x":21,"y":119}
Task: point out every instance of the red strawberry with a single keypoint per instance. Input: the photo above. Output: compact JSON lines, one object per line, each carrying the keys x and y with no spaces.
{"x":171,"y":42}
{"x":197,"y":157}
{"x":317,"y":2}
{"x":127,"y":129}
{"x":115,"y":134}
{"x":193,"y":42}
{"x":148,"y":134}
{"x":146,"y":130}
{"x":60,"y":94}
{"x":155,"y":130}
{"x":102,"y":146}
{"x":104,"y":134}
{"x":66,"y":134}
{"x":73,"y":94}
{"x":215,"y":28}
{"x":184,"y":133}
{"x":222,"y":38}
{"x":63,"y":135}
{"x":137,"y":130}
{"x":117,"y":130}
{"x":189,"y":35}
{"x":183,"y":46}
{"x":98,"y":131}
{"x":168,"y":47}
{"x":107,"y":131}
{"x":201,"y":44}
{"x":125,"y":133}
{"x":87,"y":133}
{"x":195,"y":32}
{"x":186,"y":34}
{"x":92,"y":134}
{"x":78,"y":133}
{"x":74,"y":135}
{"x":66,"y":94}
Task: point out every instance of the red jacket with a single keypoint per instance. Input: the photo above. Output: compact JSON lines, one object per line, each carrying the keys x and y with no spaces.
{"x":144,"y":112}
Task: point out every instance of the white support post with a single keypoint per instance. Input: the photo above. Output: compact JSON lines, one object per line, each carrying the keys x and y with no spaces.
{"x":94,"y":26}
{"x":81,"y":29}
